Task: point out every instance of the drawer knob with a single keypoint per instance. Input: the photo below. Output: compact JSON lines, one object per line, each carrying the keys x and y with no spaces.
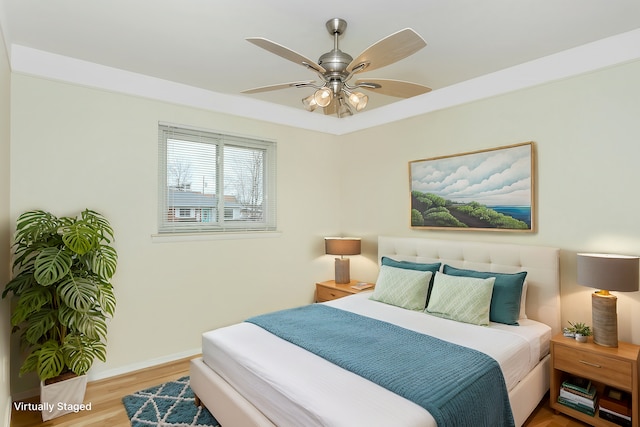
{"x":595,"y":365}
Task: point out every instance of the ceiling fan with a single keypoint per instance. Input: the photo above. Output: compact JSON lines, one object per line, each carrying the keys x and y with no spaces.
{"x":335,"y":68}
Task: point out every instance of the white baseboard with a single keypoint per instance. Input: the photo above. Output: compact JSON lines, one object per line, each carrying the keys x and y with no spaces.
{"x":94,"y":376}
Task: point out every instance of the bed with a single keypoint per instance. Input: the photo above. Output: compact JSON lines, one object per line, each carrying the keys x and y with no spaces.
{"x":250,"y":377}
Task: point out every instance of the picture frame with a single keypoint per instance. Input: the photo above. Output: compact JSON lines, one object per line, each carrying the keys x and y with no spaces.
{"x":485,"y":190}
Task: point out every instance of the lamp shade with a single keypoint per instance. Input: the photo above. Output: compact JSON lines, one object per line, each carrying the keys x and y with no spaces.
{"x":342,"y":245}
{"x":608,"y":272}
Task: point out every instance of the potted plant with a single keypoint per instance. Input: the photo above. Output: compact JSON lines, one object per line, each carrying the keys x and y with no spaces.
{"x":580,"y":331}
{"x":62,"y":271}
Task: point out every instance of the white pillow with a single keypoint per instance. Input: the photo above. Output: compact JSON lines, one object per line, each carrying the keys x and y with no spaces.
{"x":402,"y":287}
{"x":460,"y":298}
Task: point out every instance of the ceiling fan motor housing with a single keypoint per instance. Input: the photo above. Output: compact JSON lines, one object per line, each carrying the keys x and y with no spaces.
{"x":335,"y":62}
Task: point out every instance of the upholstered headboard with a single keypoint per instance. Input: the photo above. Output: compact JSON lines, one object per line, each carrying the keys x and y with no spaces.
{"x":541,"y":264}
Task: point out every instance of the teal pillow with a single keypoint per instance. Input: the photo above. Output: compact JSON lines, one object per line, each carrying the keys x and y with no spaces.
{"x":402,"y":287}
{"x":411,"y":265}
{"x":507,"y":293}
{"x":463,"y":299}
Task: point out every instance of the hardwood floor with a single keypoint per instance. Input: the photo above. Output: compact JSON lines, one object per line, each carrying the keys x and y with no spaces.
{"x":544,"y":416}
{"x":106,"y":398}
{"x":107,"y":409}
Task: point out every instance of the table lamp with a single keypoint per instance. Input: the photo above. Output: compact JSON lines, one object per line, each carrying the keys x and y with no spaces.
{"x":607,"y":273}
{"x":342,"y":246}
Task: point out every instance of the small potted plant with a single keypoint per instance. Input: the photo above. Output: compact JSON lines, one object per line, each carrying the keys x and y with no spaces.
{"x":580,"y":331}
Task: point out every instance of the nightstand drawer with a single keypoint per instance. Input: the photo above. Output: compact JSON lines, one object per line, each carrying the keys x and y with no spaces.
{"x":598,"y":367}
{"x":327,"y":294}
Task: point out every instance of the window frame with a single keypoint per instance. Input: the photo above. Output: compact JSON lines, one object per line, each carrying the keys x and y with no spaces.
{"x":223,"y":225}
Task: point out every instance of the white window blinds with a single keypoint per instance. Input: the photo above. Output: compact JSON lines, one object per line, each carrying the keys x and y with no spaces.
{"x":212,"y":182}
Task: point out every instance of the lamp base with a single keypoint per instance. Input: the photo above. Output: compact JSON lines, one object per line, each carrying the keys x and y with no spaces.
{"x":342,"y":271}
{"x":605,"y":319}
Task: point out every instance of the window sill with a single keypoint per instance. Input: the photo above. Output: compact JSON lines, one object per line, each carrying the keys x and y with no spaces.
{"x":199,"y":237}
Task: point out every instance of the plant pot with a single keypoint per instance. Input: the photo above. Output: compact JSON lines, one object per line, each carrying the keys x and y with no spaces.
{"x":62,"y":397}
{"x":581,"y":338}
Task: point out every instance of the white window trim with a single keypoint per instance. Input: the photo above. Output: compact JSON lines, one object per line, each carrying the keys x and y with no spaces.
{"x":202,"y":237}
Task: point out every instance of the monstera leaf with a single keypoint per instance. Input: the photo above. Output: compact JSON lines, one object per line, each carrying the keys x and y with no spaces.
{"x":47,"y":361}
{"x":80,"y":237}
{"x":103,"y":261}
{"x":98,"y":223}
{"x":78,"y":293}
{"x":106,"y":299}
{"x":31,"y":302}
{"x":52,"y":265}
{"x":32,"y":225}
{"x":40,"y":324}
{"x":92,"y":324}
{"x":20,"y":284}
{"x":80,"y":352}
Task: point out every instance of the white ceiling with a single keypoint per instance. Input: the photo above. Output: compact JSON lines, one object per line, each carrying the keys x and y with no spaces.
{"x":200,"y":43}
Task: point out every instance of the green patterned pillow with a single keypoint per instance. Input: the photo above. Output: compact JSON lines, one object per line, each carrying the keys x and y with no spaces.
{"x":464,"y":299}
{"x":507,"y":292}
{"x":402,"y":287}
{"x":432,"y":267}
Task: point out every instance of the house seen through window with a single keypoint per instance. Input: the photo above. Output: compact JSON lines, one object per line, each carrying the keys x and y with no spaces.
{"x":212,"y":182}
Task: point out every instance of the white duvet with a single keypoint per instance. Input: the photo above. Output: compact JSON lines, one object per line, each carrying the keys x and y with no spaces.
{"x":293,"y":387}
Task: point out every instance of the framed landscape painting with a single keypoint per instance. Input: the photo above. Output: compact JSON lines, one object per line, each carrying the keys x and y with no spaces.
{"x":490,"y":190}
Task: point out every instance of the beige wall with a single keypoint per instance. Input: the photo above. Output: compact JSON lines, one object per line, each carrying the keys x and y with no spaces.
{"x":5,"y":234}
{"x":74,"y":147}
{"x":587,"y":134}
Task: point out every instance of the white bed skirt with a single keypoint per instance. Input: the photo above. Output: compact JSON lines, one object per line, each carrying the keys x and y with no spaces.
{"x":233,"y":410}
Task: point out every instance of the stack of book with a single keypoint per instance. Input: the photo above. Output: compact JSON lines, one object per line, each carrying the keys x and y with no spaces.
{"x":362,"y":285}
{"x":579,"y":394}
{"x":615,"y":406}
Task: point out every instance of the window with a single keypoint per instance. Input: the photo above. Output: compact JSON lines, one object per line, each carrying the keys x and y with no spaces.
{"x":184,"y":213}
{"x":211,"y":182}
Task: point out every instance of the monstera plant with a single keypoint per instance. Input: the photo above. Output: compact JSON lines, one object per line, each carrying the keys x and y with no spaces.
{"x":63,"y":267}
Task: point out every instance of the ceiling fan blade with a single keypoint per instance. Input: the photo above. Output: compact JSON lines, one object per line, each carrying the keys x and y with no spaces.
{"x":279,"y":86}
{"x":390,"y":49}
{"x":397,"y":88}
{"x":285,"y":53}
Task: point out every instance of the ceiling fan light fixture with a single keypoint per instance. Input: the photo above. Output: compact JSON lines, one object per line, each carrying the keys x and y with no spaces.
{"x":309,"y":103}
{"x":358,"y":100}
{"x":343,"y":109}
{"x":323,"y":96}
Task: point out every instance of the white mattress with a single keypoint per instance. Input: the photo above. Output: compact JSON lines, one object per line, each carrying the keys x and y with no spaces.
{"x":293,"y":387}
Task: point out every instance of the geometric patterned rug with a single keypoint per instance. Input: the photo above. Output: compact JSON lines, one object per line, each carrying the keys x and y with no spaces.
{"x":167,"y":405}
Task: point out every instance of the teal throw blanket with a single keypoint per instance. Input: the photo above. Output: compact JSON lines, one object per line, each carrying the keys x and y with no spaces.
{"x":457,"y":385}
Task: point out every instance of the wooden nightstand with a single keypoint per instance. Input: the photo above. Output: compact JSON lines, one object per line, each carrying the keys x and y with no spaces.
{"x":604,"y":366}
{"x":329,"y":290}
